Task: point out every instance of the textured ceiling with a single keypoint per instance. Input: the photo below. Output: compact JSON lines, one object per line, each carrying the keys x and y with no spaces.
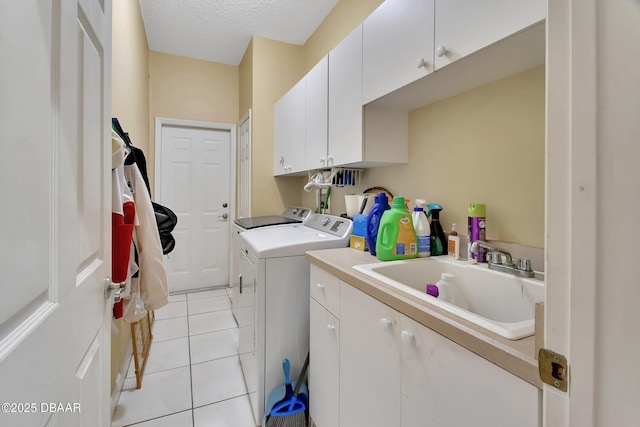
{"x":220,"y":30}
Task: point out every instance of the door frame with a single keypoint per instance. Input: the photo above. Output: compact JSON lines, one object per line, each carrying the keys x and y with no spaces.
{"x":242,"y":180}
{"x":163,"y":121}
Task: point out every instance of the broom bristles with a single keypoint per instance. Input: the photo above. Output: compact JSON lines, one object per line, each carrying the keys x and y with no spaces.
{"x":294,"y":420}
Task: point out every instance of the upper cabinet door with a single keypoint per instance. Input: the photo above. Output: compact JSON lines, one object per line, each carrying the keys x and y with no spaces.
{"x":345,"y":100}
{"x":397,"y":46}
{"x":317,"y":81}
{"x":289,"y":131}
{"x":465,"y":26}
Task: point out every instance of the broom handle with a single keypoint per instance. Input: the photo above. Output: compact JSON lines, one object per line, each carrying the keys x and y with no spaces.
{"x":303,"y":375}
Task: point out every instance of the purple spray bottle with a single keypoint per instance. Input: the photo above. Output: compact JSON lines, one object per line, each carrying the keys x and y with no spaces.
{"x":476,"y":229}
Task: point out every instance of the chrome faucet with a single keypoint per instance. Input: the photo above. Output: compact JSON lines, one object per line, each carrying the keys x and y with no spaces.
{"x":501,"y":260}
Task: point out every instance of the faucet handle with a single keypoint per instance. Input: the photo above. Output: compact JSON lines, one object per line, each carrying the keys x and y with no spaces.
{"x":499,"y":257}
{"x":494,"y":257}
{"x":524,"y":264}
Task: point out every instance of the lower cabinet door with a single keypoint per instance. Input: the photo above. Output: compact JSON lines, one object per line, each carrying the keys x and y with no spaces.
{"x":446,"y":385}
{"x":324,"y":370}
{"x":369,"y":361}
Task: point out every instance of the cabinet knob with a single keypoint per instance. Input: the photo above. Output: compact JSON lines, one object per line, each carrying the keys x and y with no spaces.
{"x":385,"y":323}
{"x":406,"y":337}
{"x":422,"y":63}
{"x":331,"y":327}
{"x":441,"y":51}
{"x":322,"y":160}
{"x":320,"y":286}
{"x":329,"y":160}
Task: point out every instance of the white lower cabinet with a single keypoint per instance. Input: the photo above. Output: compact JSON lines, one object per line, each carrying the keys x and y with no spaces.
{"x":324,"y":369}
{"x":377,"y":367}
{"x":369,"y":361}
{"x":445,"y":385}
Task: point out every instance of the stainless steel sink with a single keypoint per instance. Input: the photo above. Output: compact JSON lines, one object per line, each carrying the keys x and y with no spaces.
{"x":499,"y":302}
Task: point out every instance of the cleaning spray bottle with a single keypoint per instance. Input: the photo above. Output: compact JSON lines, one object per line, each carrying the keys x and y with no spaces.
{"x":476,"y":228}
{"x":438,"y":238}
{"x":396,"y":235}
{"x":422,"y":228}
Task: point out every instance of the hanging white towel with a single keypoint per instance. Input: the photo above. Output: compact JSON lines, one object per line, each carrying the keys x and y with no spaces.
{"x":154,"y":289}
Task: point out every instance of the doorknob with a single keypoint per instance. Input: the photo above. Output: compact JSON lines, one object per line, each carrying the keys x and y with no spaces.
{"x":110,"y":287}
{"x":223,"y":216}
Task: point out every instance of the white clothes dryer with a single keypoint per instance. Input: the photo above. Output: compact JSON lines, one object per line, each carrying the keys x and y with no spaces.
{"x":292,"y":215}
{"x":274,"y":268}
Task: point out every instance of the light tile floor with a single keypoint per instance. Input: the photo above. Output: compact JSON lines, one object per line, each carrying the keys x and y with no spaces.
{"x":193,"y":376}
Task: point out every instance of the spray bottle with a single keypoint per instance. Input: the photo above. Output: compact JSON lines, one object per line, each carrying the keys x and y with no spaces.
{"x":438,"y":238}
{"x":477,"y":217}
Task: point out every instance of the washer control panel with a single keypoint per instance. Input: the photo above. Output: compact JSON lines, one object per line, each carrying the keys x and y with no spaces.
{"x":334,"y":225}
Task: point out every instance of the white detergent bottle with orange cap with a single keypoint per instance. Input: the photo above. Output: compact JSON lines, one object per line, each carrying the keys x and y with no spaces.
{"x":396,"y":235}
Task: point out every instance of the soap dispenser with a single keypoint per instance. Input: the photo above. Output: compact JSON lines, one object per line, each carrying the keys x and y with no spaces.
{"x":438,"y":238}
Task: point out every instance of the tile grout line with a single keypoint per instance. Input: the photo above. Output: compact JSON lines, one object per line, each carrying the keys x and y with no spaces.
{"x":193,"y":416}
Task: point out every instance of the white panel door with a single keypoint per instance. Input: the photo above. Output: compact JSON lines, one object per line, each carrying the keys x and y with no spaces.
{"x":195,"y":184}
{"x":55,"y":254}
{"x":244,"y":166}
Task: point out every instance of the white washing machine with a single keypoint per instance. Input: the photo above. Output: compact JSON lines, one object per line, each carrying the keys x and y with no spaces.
{"x":275,"y":270}
{"x":292,"y":215}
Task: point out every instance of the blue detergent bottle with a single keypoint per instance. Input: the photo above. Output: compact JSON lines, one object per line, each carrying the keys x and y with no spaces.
{"x":381,"y":204}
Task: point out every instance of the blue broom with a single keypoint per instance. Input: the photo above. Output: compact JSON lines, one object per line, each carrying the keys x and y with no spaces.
{"x":292,"y":411}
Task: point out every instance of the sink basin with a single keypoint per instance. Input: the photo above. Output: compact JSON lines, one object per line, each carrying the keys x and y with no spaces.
{"x":499,"y":302}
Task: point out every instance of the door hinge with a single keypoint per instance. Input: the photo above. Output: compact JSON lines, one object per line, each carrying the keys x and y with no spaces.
{"x":553,"y":369}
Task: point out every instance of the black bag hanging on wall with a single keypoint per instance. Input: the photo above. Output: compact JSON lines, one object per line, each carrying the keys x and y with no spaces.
{"x":166,"y":220}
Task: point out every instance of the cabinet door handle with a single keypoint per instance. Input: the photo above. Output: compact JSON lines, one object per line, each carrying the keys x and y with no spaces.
{"x":331,"y":327}
{"x":422,"y":63}
{"x":441,"y":51}
{"x":406,"y":337}
{"x":240,"y":277}
{"x":385,"y":323}
{"x":320,"y":286}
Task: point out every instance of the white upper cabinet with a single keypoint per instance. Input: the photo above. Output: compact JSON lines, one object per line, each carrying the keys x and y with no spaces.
{"x":397,"y":46}
{"x":317,"y":84}
{"x":465,"y":26}
{"x":405,"y":41}
{"x":290,"y":131}
{"x":345,"y":100}
{"x":360,"y":137}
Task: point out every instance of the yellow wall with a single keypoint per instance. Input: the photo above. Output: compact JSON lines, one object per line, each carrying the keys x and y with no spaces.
{"x":276,"y":68}
{"x":190,"y":89}
{"x":482,"y":146}
{"x":130,"y":104}
{"x":246,"y":80}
